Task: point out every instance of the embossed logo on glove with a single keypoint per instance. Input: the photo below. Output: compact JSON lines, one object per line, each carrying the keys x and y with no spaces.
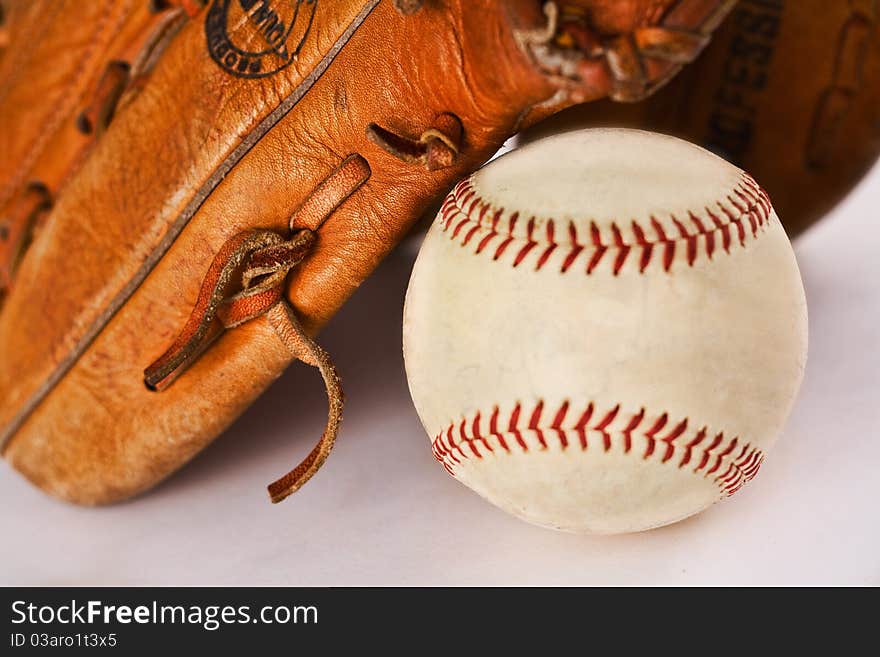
{"x":256,"y":38}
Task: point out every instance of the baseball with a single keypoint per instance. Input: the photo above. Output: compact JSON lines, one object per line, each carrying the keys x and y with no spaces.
{"x":605,"y":331}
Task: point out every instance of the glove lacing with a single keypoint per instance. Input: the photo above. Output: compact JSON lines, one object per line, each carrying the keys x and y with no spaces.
{"x":264,"y":259}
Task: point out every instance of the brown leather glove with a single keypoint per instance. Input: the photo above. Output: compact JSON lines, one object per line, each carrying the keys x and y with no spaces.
{"x":788,"y":90}
{"x":278,"y":151}
{"x":65,"y":68}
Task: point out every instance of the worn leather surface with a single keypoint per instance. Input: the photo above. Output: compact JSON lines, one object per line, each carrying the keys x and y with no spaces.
{"x":97,"y":434}
{"x":56,"y":55}
{"x":788,"y":90}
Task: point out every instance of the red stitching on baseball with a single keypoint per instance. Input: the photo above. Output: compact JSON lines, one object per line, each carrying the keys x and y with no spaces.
{"x":746,"y":204}
{"x":729,"y":463}
{"x":581,"y":426}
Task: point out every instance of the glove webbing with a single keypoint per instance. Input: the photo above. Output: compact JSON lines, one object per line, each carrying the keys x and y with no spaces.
{"x":628,"y":67}
{"x":266,"y":259}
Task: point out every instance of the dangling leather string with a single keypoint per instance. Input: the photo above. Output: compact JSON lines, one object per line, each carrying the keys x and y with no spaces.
{"x":264,"y":259}
{"x":288,"y":328}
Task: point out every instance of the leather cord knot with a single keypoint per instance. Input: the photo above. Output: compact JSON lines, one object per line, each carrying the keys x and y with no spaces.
{"x":246,"y":280}
{"x":262,"y":260}
{"x":436,"y":148}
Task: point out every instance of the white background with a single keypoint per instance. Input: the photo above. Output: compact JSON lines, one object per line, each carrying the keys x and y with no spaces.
{"x":383,"y":512}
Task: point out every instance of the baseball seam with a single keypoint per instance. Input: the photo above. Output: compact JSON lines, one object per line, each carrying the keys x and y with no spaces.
{"x":744,"y":211}
{"x":730,"y":462}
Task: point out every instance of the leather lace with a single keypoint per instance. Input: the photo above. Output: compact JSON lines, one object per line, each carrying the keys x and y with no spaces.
{"x":628,"y":67}
{"x":436,"y":148}
{"x":246,"y":280}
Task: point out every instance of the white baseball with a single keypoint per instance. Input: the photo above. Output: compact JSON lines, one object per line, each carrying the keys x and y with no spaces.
{"x":605,"y":331}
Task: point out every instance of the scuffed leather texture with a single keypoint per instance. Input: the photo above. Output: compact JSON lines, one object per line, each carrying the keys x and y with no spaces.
{"x":788,"y":90}
{"x":98,"y":434}
{"x":51,"y":75}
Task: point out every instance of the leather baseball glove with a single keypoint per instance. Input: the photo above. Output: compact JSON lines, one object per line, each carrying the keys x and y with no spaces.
{"x":275,"y":153}
{"x":789,"y":90}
